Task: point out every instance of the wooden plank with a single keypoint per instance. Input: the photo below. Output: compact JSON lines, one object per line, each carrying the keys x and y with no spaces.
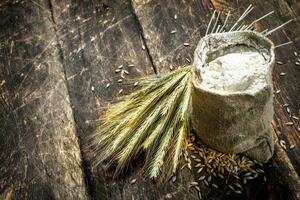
{"x":157,"y":21}
{"x":40,"y":156}
{"x":96,"y":39}
{"x":172,"y":29}
{"x":285,"y":161}
{"x":167,"y":26}
{"x":101,"y":36}
{"x":294,"y":5}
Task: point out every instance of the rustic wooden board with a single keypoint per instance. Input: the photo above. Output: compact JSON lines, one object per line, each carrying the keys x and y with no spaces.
{"x":101,"y":37}
{"x":286,"y":161}
{"x":163,"y":48}
{"x":172,"y":29}
{"x":40,"y":156}
{"x":90,"y":40}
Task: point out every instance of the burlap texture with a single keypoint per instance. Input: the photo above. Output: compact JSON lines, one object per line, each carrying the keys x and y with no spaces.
{"x":237,"y":122}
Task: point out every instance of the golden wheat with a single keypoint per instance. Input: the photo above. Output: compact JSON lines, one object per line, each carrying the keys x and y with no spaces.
{"x":152,"y":119}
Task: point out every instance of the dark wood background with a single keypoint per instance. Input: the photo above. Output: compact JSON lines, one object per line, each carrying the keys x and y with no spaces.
{"x":56,"y":59}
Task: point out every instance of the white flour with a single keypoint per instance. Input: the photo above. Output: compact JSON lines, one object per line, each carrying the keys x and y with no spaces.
{"x":238,"y":71}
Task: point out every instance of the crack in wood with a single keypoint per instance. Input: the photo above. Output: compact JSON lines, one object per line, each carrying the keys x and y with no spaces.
{"x":142,"y":36}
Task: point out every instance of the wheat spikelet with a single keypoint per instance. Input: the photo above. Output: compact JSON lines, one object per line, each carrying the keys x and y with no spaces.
{"x":152,"y":119}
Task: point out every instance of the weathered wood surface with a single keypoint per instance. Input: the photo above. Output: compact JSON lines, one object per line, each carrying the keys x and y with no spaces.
{"x":40,"y":155}
{"x":56,"y":58}
{"x":285,"y":160}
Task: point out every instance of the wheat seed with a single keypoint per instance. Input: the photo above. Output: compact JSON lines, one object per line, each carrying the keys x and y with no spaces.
{"x":221,"y":176}
{"x":198,"y":165}
{"x":194,"y":183}
{"x":238,"y":185}
{"x":209,"y":178}
{"x":282,"y":143}
{"x":133,"y":181}
{"x":238,"y":192}
{"x":199,"y":195}
{"x":197,"y":188}
{"x":135,"y":84}
{"x":260,"y":171}
{"x":206,"y":183}
{"x":173,"y":179}
{"x":295,"y":118}
{"x":231,"y":187}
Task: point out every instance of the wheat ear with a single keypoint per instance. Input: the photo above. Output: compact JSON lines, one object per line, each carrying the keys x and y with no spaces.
{"x":153,"y":119}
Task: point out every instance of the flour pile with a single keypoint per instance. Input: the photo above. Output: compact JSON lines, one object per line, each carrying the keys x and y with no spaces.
{"x":239,"y":71}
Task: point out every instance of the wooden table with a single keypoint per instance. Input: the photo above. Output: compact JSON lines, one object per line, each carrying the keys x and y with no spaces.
{"x":57,"y":73}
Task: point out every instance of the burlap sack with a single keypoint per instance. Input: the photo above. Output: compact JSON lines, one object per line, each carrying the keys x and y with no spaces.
{"x":234,"y":116}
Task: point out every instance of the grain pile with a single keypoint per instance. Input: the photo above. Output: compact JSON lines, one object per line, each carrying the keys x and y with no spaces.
{"x":227,"y":173}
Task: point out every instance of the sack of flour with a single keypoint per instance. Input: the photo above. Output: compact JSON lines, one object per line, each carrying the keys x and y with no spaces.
{"x":232,"y":103}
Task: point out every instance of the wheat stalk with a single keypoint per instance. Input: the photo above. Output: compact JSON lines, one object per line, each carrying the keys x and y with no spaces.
{"x":149,"y":119}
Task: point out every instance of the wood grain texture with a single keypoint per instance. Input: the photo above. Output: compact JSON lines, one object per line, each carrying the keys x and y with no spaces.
{"x":40,"y":156}
{"x":157,"y":25}
{"x":95,"y":38}
{"x":285,"y":161}
{"x":172,"y":29}
{"x":101,"y":36}
{"x":56,"y":59}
